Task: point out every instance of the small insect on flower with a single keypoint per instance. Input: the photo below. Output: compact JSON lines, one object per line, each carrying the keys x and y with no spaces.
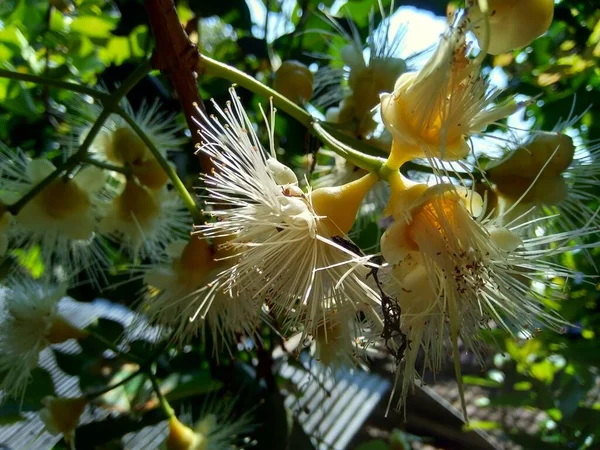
{"x":218,"y":428}
{"x":62,"y":219}
{"x":143,"y":220}
{"x":281,"y":237}
{"x":29,"y":322}
{"x":432,"y":112}
{"x":454,"y":273}
{"x":187,"y":294}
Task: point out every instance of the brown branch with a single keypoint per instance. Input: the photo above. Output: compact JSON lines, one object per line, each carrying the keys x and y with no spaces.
{"x":177,"y":57}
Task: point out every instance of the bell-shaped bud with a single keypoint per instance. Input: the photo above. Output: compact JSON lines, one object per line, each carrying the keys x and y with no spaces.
{"x":339,"y":205}
{"x":294,"y":80}
{"x":62,"y":330}
{"x":64,"y":198}
{"x":150,"y":174}
{"x":196,"y":258}
{"x":126,"y":147}
{"x":61,"y":415}
{"x":182,"y":437}
{"x":548,"y":153}
{"x":137,"y":203}
{"x":512,"y":23}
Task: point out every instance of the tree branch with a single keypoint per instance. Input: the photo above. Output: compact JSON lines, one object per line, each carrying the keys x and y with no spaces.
{"x":177,"y":57}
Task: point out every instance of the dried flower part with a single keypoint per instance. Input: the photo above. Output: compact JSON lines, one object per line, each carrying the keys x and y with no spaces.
{"x":339,"y":205}
{"x":512,"y":23}
{"x":61,"y":415}
{"x":295,"y":81}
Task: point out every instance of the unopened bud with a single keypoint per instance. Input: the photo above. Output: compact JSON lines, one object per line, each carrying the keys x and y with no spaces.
{"x":126,"y":147}
{"x":61,"y":415}
{"x":137,"y":201}
{"x":63,"y":198}
{"x":513,"y":23}
{"x":62,"y":330}
{"x":339,"y":205}
{"x":182,"y":437}
{"x":197,"y":256}
{"x":295,"y":81}
{"x":150,"y":174}
{"x":548,"y":153}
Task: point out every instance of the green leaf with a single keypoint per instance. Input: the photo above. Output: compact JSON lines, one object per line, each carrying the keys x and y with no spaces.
{"x":481,"y":425}
{"x":93,"y":26}
{"x":192,"y":384}
{"x":479,"y":381}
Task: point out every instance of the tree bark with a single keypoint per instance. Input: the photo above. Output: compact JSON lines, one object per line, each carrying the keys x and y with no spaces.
{"x":177,"y":57}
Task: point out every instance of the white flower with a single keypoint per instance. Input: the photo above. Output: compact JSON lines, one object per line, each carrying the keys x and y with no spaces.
{"x":144,"y":221}
{"x":62,"y":219}
{"x":119,"y":144}
{"x":286,"y":252}
{"x":187,"y":295}
{"x":433,"y":112}
{"x":453,"y":274}
{"x":29,"y":322}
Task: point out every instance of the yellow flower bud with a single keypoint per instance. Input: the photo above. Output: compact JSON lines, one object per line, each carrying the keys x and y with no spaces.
{"x":295,"y":81}
{"x":126,"y":147}
{"x":183,"y":438}
{"x":61,"y":415}
{"x":61,"y":331}
{"x":513,"y":23}
{"x":195,"y":262}
{"x":527,"y":161}
{"x":340,"y":204}
{"x":150,"y":174}
{"x":136,"y":203}
{"x":62,"y":199}
{"x":545,"y":191}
